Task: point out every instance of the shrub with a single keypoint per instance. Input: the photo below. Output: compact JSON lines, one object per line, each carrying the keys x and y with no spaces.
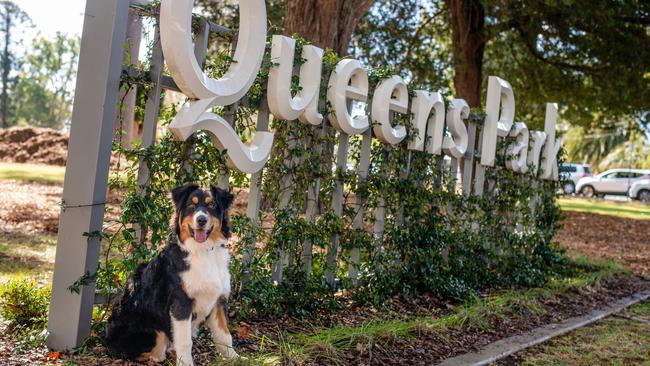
{"x":25,"y":304}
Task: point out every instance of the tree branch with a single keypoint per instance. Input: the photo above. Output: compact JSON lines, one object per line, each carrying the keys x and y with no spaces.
{"x":530,"y":46}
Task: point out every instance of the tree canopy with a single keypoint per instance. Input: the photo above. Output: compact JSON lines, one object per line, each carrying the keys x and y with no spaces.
{"x":43,"y":96}
{"x":11,"y":17}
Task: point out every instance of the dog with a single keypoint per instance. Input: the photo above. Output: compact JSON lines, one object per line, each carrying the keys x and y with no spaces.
{"x":186,"y":285}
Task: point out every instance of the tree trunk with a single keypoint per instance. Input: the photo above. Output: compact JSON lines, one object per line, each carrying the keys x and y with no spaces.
{"x":468,"y":45}
{"x":6,"y":68}
{"x":325,"y":23}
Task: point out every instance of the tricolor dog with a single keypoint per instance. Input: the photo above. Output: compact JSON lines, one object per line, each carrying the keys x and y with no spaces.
{"x":186,"y":285}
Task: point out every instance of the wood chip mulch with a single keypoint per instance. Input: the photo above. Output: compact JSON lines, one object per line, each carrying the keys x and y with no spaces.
{"x":596,"y":236}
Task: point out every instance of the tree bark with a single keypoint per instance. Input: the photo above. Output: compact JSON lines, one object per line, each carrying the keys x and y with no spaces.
{"x":325,"y":23}
{"x":6,"y":68}
{"x":468,"y":46}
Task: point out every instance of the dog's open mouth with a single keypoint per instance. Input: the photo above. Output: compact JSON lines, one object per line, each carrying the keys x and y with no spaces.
{"x":200,"y":235}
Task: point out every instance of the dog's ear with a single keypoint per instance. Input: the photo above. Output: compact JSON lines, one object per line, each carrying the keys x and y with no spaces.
{"x":223,"y":197}
{"x":180,"y":194}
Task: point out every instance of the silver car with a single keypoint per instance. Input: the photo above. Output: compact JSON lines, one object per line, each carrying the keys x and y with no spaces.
{"x":571,"y":173}
{"x":641,"y":191}
{"x":612,"y":182}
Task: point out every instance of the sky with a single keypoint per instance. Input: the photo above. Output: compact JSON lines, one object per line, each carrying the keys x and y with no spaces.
{"x":51,"y":16}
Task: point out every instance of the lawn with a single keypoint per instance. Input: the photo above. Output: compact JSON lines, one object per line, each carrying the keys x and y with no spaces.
{"x":614,"y":341}
{"x":32,"y":172}
{"x":630,"y":210}
{"x":29,"y":256}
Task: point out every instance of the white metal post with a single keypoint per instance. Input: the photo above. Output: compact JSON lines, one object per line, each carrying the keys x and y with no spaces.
{"x":358,"y":223}
{"x":338,"y":201}
{"x":86,"y":177}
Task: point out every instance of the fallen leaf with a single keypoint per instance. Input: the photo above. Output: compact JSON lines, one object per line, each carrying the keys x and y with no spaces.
{"x":53,"y":356}
{"x":242,"y":330}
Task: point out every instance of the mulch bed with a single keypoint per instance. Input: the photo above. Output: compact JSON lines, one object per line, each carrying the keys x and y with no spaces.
{"x":429,"y":347}
{"x":34,"y":208}
{"x":424,"y":349}
{"x":29,"y":208}
{"x":607,"y":237}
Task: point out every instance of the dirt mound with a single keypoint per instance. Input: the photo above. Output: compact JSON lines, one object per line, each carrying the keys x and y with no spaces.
{"x":33,"y":145}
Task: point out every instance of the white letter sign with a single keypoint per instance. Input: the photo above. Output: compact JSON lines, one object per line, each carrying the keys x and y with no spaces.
{"x":456,"y":145}
{"x":391,"y":95}
{"x":552,"y":145}
{"x":305,"y":103}
{"x":517,"y":152}
{"x":348,"y":81}
{"x":176,"y":39}
{"x":538,"y":138}
{"x":499,"y":115}
{"x":434,"y":127}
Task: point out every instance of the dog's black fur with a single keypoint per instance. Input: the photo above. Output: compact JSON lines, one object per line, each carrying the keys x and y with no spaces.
{"x":156,"y":290}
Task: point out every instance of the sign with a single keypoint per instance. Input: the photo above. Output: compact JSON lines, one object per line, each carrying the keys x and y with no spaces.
{"x":347,"y":83}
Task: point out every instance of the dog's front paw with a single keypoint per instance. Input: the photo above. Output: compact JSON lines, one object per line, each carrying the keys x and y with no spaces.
{"x":230,"y":353}
{"x":184,"y":361}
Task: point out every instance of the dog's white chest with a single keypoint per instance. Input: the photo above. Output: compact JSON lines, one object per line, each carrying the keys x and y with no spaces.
{"x":207,"y":279}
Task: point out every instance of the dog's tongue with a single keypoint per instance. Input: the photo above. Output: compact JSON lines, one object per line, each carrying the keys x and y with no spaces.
{"x":200,"y":235}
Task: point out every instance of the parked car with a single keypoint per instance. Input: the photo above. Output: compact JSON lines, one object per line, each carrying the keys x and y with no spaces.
{"x":571,"y":174}
{"x":614,"y":182}
{"x":640,"y":190}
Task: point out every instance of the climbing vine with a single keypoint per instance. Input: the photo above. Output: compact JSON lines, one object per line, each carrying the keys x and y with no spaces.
{"x":434,"y":239}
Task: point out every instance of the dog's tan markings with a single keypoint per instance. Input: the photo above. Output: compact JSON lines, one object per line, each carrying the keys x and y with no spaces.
{"x":216,"y":233}
{"x":218,"y":323}
{"x":159,"y":352}
{"x":185,"y":231}
{"x":208,"y":200}
{"x":222,"y":321}
{"x":195,"y":200}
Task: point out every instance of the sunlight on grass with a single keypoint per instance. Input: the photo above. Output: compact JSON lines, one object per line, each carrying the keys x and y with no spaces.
{"x":613,"y":341}
{"x":32,"y":172}
{"x":631,"y":210}
{"x":27,"y":256}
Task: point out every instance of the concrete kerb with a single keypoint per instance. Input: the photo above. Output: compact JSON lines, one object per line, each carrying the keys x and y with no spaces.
{"x":508,"y":346}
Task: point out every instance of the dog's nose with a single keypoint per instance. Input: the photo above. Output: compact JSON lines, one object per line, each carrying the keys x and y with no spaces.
{"x":201,"y":220}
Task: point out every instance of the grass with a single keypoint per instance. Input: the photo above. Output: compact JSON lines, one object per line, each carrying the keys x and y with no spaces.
{"x":641,"y":310}
{"x":613,"y":341}
{"x":630,"y":210}
{"x":32,"y":172}
{"x":27,"y":256}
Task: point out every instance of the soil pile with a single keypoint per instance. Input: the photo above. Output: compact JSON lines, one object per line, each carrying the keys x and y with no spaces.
{"x":33,"y":145}
{"x":38,"y":146}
